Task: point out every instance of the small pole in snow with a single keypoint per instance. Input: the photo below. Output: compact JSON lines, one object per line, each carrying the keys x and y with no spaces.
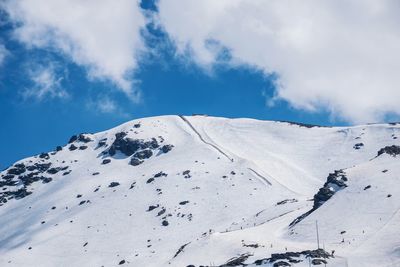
{"x":316,"y":226}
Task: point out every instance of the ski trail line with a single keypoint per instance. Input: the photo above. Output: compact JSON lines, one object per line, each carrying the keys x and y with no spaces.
{"x":259,"y":224}
{"x":260,"y":176}
{"x":380,"y":229}
{"x":202,"y":139}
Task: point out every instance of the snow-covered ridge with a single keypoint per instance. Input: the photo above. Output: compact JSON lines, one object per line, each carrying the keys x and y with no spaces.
{"x":181,"y":191}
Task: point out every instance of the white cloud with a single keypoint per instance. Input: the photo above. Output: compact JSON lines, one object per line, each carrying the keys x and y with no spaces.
{"x":105,"y":105}
{"x":3,"y":53}
{"x":338,"y":55}
{"x":102,"y":35}
{"x":46,"y":83}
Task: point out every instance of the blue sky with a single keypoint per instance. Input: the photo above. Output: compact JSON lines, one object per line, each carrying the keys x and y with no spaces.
{"x":48,"y":93}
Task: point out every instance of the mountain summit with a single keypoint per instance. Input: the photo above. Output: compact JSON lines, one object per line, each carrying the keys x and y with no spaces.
{"x":206,"y":191}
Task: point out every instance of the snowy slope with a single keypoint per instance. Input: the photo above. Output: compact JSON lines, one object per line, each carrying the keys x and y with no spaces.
{"x":180,"y":191}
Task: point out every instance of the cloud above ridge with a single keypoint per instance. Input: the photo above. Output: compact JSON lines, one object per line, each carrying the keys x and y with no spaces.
{"x":335,"y":55}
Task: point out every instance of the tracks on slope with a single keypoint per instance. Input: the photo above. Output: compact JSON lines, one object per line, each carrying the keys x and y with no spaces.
{"x":202,"y":139}
{"x":260,"y":176}
{"x":391,"y":218}
{"x":261,"y":223}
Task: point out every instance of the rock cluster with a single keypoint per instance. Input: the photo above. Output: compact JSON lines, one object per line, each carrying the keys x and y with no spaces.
{"x":284,"y":259}
{"x":157,"y":175}
{"x":237,"y":261}
{"x":81,"y":138}
{"x":306,"y":125}
{"x":358,"y":146}
{"x":138,"y":149}
{"x":335,"y":182}
{"x":286,"y":201}
{"x":390,"y":150}
{"x":19,"y":177}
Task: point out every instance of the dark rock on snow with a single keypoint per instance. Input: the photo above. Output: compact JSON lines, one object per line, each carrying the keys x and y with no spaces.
{"x":186,"y":174}
{"x":81,"y":138}
{"x":53,"y":170}
{"x":129,"y":146}
{"x":335,"y":182}
{"x":152,"y":207}
{"x":113,"y":184}
{"x":17,"y":169}
{"x":166,"y":148}
{"x":237,"y":261}
{"x":139,"y":149}
{"x":160,"y":174}
{"x":279,"y":258}
{"x":144,"y":154}
{"x":358,"y":146}
{"x":102,"y":142}
{"x":106,"y":161}
{"x":44,"y":156}
{"x":135,"y":162}
{"x":390,"y":150}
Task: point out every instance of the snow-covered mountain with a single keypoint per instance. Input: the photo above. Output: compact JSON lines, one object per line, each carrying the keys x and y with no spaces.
{"x":205,"y":191}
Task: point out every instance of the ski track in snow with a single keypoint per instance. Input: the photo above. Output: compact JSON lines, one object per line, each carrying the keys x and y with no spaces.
{"x":392,"y":217}
{"x":263,"y":179}
{"x":202,"y":139}
{"x":275,"y":157}
{"x":260,"y":176}
{"x":261,"y":223}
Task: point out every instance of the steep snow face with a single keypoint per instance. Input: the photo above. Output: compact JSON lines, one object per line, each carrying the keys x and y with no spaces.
{"x":180,"y":191}
{"x":362,"y":220}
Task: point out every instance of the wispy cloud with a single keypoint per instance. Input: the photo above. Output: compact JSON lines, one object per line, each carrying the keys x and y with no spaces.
{"x":46,"y":83}
{"x":103,"y":104}
{"x":3,"y":53}
{"x":103,"y":36}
